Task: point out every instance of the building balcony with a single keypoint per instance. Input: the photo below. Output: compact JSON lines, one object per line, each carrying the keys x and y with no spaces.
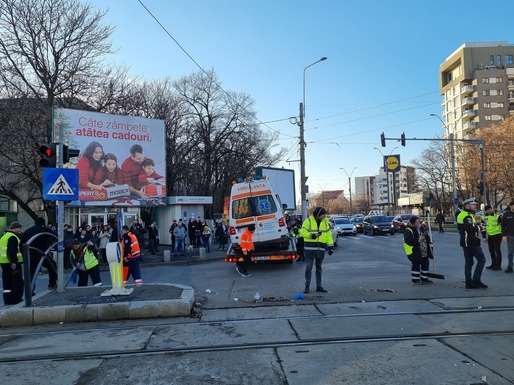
{"x":467,"y":101}
{"x":466,"y":89}
{"x":511,"y":97}
{"x":469,"y":125}
{"x":510,"y":73}
{"x":468,"y":114}
{"x":511,"y":111}
{"x":510,"y":86}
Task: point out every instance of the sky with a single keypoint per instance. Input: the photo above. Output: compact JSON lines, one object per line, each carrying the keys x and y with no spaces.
{"x":381,"y":72}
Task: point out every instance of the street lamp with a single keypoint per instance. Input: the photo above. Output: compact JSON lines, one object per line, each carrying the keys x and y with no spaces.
{"x":387,"y":175}
{"x":303,"y":178}
{"x":349,"y":185}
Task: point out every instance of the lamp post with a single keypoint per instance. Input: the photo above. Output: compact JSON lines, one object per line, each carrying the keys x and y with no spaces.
{"x":451,"y":136}
{"x":349,"y":185}
{"x":387,"y":175}
{"x":303,"y":178}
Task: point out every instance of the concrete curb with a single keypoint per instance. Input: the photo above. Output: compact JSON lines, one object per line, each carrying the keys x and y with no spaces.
{"x":18,"y":315}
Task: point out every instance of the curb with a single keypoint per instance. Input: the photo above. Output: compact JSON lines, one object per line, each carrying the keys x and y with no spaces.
{"x":18,"y":315}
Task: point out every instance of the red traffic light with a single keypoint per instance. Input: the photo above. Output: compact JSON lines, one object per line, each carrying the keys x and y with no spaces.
{"x":48,"y":154}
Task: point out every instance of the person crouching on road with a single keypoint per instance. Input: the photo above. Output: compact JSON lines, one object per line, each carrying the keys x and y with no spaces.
{"x":11,"y":261}
{"x":83,"y":259}
{"x":417,"y":247}
{"x":131,"y":256}
{"x":470,"y":243}
{"x":317,"y":235}
{"x":247,"y":248}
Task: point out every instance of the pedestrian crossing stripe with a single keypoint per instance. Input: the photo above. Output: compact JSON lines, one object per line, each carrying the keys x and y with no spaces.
{"x":60,"y":187}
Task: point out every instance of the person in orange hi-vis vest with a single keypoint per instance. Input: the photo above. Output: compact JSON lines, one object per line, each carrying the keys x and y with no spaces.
{"x":131,"y":256}
{"x":246,"y":249}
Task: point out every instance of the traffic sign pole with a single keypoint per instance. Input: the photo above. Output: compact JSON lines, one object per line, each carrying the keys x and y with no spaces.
{"x":60,"y":218}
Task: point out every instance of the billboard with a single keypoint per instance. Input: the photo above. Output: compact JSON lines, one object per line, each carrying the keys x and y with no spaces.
{"x":282,"y":181}
{"x":122,"y":159}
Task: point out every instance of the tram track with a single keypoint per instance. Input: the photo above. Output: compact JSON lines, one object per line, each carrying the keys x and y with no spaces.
{"x":299,"y":338}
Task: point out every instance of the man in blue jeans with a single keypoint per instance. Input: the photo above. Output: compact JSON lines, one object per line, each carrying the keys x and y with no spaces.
{"x":508,"y":233}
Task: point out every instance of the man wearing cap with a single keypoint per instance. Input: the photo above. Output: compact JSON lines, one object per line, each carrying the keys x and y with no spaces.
{"x":317,"y":236}
{"x":492,"y":234}
{"x":37,"y":248}
{"x":508,"y":233}
{"x":11,"y":260}
{"x":247,"y":247}
{"x":470,"y":243}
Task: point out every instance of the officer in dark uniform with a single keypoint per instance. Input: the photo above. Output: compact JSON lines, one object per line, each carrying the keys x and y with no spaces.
{"x":470,"y":242}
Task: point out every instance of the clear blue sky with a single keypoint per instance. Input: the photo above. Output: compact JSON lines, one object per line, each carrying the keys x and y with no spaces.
{"x":381,"y":74}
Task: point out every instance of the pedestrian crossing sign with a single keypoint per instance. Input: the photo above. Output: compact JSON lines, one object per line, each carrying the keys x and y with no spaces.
{"x":60,"y":184}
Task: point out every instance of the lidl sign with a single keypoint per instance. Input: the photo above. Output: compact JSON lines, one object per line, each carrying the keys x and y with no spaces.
{"x":392,"y":163}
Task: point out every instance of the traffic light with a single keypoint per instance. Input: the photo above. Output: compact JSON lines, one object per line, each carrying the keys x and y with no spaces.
{"x":68,"y":153}
{"x":403,"y":139}
{"x":48,"y":154}
{"x":382,"y":139}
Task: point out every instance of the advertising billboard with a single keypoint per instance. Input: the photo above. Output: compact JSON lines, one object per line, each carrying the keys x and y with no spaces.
{"x":122,"y":159}
{"x":282,"y":181}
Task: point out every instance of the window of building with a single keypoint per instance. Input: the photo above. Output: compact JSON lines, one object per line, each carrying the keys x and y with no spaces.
{"x":499,"y":59}
{"x":487,"y":117}
{"x":486,"y":93}
{"x":485,"y":81}
{"x":491,"y":59}
{"x":499,"y":92}
{"x":499,"y":80}
{"x":500,"y":105}
{"x":508,"y":59}
{"x":487,"y":105}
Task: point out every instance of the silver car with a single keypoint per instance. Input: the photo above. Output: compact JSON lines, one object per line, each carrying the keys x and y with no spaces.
{"x":344,"y":226}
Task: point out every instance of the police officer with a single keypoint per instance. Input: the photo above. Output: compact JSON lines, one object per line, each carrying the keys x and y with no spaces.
{"x":493,"y":236}
{"x":317,"y":235}
{"x":470,"y":243}
{"x":11,"y":261}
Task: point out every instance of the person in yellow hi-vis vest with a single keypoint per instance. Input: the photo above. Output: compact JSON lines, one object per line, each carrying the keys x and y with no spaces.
{"x":493,"y":236}
{"x":317,"y":235}
{"x":11,"y":261}
{"x":417,"y":247}
{"x":83,"y":259}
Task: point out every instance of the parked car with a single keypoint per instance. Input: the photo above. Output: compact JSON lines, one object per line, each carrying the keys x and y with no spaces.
{"x":377,"y":224}
{"x":400,"y":222}
{"x":335,"y":235}
{"x":344,"y":226}
{"x":357,"y":221}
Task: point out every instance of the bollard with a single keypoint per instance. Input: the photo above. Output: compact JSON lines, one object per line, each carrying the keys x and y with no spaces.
{"x":167,"y":255}
{"x":202,"y":253}
{"x":115,"y":268}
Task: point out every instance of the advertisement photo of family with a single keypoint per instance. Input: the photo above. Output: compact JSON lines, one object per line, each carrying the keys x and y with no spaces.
{"x":114,"y":166}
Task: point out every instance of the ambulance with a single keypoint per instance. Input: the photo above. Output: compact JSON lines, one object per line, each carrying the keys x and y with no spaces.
{"x":253,"y":200}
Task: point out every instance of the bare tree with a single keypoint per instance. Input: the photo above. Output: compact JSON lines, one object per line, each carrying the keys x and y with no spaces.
{"x":51,"y":53}
{"x":434,"y":173}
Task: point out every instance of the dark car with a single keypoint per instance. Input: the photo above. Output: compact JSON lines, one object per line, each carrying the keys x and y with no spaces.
{"x":377,"y":224}
{"x":357,"y":221}
{"x":401,"y":221}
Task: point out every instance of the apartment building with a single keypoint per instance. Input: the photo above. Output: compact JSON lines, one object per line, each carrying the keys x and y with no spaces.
{"x":477,"y":86}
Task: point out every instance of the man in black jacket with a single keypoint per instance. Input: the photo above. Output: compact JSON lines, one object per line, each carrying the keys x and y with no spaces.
{"x":470,"y":242}
{"x":38,"y":247}
{"x":508,"y":233}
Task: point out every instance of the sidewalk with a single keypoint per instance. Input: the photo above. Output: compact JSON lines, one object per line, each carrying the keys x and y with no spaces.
{"x":82,"y":304}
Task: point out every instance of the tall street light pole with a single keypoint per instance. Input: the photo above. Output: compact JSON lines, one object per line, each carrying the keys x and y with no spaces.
{"x":303,"y":178}
{"x":349,"y":185}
